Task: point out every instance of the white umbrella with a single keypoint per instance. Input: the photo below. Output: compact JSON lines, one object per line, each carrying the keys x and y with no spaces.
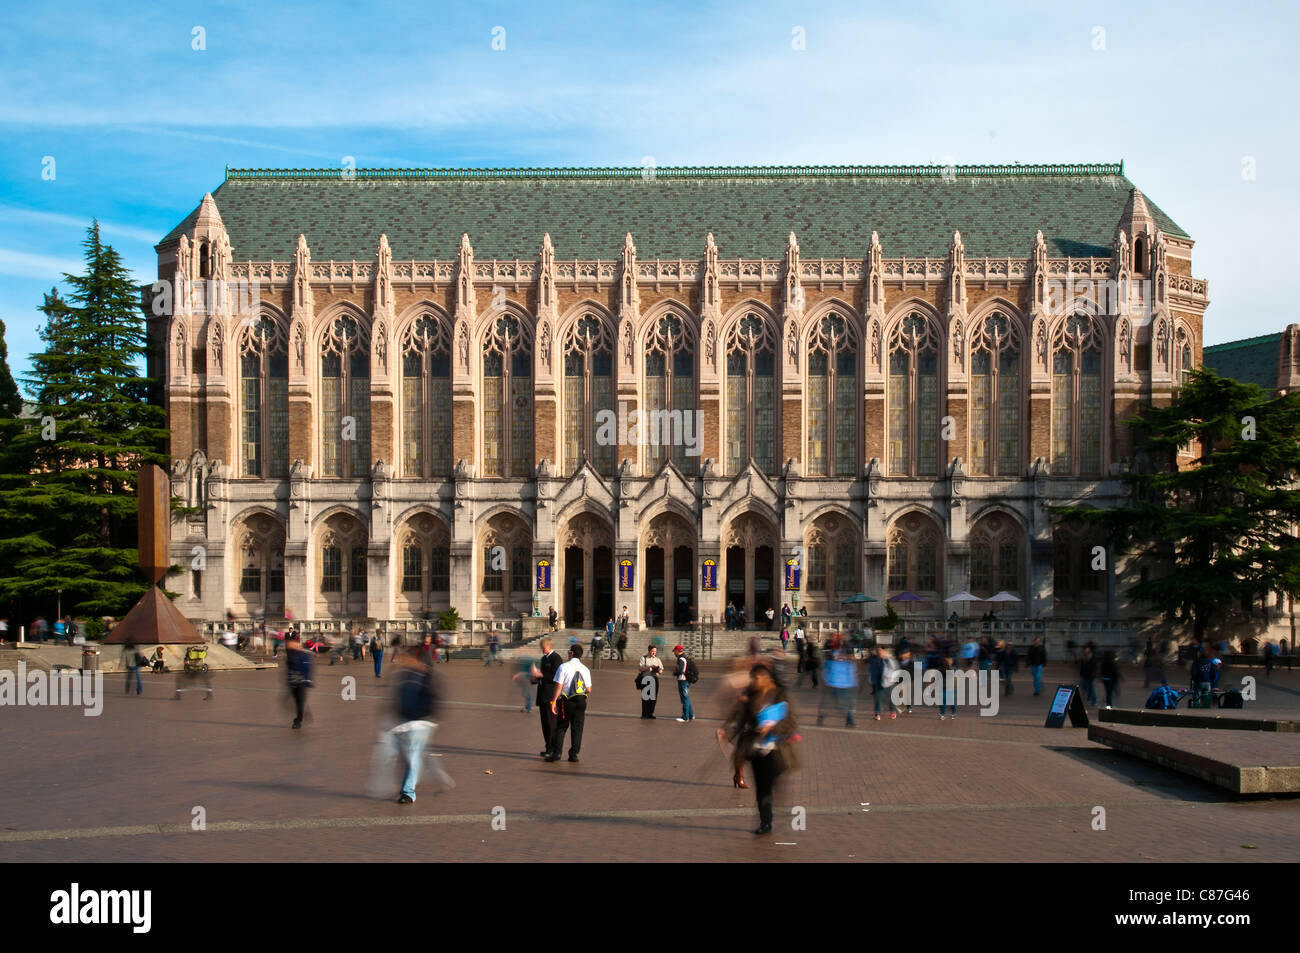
{"x":962,"y":597}
{"x":1004,"y":596}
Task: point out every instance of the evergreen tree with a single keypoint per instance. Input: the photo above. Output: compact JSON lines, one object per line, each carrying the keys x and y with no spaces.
{"x":1220,"y":532}
{"x":67,"y":498}
{"x":11,"y":402}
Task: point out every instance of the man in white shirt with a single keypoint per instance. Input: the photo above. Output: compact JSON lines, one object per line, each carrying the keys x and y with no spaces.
{"x":569,"y":704}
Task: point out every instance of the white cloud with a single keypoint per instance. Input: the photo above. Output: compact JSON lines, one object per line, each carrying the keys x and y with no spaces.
{"x":25,"y":265}
{"x":14,"y":213}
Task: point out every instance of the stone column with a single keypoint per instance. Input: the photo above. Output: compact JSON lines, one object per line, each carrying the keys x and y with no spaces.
{"x":588,"y":587}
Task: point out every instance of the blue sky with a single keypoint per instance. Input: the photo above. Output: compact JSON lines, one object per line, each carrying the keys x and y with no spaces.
{"x":140,"y":124}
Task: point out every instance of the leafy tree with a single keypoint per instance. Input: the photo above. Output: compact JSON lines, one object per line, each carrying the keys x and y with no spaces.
{"x":67,"y":494}
{"x":1222,"y":530}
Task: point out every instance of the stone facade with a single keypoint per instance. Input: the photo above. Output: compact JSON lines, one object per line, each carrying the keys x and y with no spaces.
{"x":882,"y":420}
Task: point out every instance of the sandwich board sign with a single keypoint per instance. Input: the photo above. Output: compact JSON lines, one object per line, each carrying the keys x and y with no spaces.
{"x":1067,"y":701}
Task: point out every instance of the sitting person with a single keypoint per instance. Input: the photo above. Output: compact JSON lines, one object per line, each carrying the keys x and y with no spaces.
{"x":157,"y":662}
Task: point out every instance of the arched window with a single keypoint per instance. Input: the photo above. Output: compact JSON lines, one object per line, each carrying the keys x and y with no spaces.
{"x":669,"y":394}
{"x":507,"y":566}
{"x":913,"y":556}
{"x":507,"y":400}
{"x":426,"y":399}
{"x":995,"y":553}
{"x":261,"y":561}
{"x":205,"y":259}
{"x":1139,"y":255}
{"x":751,"y":395}
{"x":1182,"y":356}
{"x":833,"y":397}
{"x":1080,"y":567}
{"x":343,"y":580}
{"x":995,"y":397}
{"x":914,"y":398}
{"x":264,"y":400}
{"x":345,"y":401}
{"x":1076,"y":397}
{"x":589,"y":390}
{"x":426,"y":563}
{"x":834,"y":548}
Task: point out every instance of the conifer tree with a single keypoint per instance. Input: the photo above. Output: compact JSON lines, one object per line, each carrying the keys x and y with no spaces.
{"x":1219,"y":531}
{"x":67,"y":497}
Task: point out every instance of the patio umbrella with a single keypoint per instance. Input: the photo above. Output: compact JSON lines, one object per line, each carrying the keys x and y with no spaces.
{"x":1004,"y":596}
{"x":859,"y":597}
{"x":962,"y":597}
{"x":905,"y":596}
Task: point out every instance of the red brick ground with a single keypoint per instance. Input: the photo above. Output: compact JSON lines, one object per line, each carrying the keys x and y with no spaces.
{"x":123,"y":786}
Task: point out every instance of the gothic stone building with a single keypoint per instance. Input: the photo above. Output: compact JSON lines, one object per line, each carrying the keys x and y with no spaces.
{"x":886,"y":376}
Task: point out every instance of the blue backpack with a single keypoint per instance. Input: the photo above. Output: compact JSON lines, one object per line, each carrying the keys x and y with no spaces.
{"x":1162,"y":698}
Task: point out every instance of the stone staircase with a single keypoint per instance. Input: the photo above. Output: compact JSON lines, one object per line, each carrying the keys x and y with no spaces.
{"x":10,"y":657}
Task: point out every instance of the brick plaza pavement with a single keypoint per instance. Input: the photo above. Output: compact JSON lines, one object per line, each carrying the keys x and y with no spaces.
{"x":124,"y":786}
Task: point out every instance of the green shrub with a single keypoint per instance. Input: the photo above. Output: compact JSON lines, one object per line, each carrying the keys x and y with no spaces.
{"x":449,"y":621}
{"x":886,"y":622}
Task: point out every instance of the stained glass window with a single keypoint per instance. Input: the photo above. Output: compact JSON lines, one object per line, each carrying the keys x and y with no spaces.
{"x":264,"y":400}
{"x":914,"y":397}
{"x":1077,"y":394}
{"x":345,"y":400}
{"x":751,"y":395}
{"x":589,"y":395}
{"x":426,"y":398}
{"x":507,"y":399}
{"x":995,"y":397}
{"x":669,"y":389}
{"x":833,"y":397}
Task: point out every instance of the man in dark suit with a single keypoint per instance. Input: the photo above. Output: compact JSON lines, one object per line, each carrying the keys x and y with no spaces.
{"x":543,"y":675}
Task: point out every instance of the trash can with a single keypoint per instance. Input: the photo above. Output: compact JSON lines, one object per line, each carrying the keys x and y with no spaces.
{"x":90,"y":659}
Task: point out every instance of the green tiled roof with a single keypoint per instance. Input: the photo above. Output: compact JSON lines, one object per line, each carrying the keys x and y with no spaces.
{"x":751,"y":210}
{"x":1250,"y":360}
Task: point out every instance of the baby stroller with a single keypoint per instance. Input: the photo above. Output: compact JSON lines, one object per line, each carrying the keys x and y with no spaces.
{"x":195,"y":667}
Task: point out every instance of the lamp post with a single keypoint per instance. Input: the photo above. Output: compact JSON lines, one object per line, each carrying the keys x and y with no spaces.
{"x":58,"y":612}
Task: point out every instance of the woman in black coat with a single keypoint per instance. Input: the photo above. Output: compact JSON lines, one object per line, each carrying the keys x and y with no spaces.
{"x":765,"y":738}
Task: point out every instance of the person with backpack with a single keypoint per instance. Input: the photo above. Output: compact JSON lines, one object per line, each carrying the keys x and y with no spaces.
{"x":377,"y":651}
{"x":884,"y":673}
{"x":598,"y":643}
{"x":569,"y":704}
{"x":297,"y":673}
{"x":1205,"y":675}
{"x":417,"y":705}
{"x":687,"y":675}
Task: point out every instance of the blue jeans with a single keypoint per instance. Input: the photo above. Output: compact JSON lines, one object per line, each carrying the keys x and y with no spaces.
{"x":133,"y":670}
{"x":1091,"y":691}
{"x":684,"y":692}
{"x":1038,"y":677}
{"x":378,"y":656}
{"x":410,"y":744}
{"x":947,"y":701}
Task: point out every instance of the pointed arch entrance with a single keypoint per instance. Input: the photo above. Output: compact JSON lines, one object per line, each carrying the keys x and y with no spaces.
{"x":750,"y":565}
{"x":587,"y":558}
{"x":668,"y":555}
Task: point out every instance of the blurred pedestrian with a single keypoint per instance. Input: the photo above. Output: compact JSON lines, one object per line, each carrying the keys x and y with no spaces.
{"x":1036,"y":658}
{"x":494,"y":647}
{"x":883,"y":671}
{"x":132,"y":660}
{"x":622,"y":644}
{"x":598,"y":643}
{"x":568,"y":703}
{"x":297,"y":670}
{"x":417,"y":701}
{"x":377,"y":651}
{"x":769,"y":730}
{"x":1088,"y":673}
{"x":1008,"y":661}
{"x":785,"y":638}
{"x":1110,"y":676}
{"x":841,"y":676}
